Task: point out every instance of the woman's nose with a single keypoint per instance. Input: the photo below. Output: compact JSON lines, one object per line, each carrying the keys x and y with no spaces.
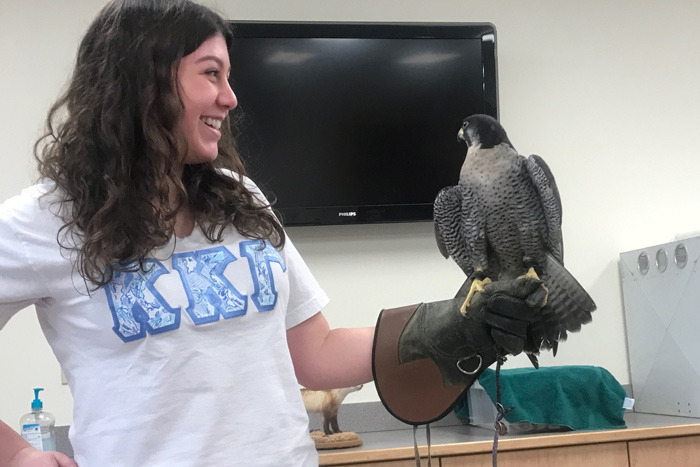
{"x":227,"y":98}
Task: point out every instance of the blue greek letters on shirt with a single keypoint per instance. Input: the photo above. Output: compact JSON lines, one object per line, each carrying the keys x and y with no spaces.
{"x":265,"y":295}
{"x":137,"y":307}
{"x":209,"y":293}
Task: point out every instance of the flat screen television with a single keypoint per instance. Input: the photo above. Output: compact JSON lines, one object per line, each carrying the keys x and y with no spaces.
{"x":345,"y":123}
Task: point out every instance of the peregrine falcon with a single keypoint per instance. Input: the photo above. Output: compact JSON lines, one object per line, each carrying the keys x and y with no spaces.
{"x":502,"y":221}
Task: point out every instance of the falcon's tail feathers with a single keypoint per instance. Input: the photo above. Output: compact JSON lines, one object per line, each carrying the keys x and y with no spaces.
{"x":568,"y":307}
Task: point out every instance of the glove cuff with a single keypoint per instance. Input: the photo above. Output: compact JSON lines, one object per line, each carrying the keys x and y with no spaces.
{"x":419,"y":380}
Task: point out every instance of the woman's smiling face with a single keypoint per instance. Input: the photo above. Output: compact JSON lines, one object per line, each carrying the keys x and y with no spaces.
{"x":207,"y":97}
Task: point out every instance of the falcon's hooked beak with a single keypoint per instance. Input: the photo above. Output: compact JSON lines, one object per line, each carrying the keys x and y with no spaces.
{"x":460,"y":135}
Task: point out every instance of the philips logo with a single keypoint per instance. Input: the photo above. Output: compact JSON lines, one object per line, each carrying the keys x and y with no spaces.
{"x":347,"y":214}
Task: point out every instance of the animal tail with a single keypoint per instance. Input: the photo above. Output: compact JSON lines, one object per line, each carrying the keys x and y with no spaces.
{"x":568,"y":307}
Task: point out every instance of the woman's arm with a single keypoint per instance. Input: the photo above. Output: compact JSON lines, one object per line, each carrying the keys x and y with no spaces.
{"x":16,"y":452}
{"x":10,"y":444}
{"x":327,"y":358}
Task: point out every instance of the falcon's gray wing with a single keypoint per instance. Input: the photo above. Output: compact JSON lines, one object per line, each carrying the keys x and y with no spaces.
{"x":543,"y":180}
{"x":568,"y":304}
{"x":449,"y":213}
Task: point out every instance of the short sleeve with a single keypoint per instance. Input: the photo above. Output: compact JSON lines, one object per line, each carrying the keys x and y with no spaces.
{"x":19,"y":284}
{"x":306,"y":297}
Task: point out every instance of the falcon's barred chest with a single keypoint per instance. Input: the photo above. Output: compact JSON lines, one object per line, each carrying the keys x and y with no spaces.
{"x":497,"y":185}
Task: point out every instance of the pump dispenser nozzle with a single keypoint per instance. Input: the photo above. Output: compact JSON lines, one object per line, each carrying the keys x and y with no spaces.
{"x":36,"y":403}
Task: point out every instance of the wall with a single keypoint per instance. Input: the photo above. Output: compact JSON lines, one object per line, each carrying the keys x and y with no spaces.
{"x":607,"y":92}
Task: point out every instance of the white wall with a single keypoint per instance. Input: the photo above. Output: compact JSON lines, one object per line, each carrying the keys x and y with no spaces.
{"x":606,"y":91}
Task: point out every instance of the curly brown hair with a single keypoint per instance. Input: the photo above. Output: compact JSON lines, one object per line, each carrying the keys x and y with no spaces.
{"x":114,"y":150}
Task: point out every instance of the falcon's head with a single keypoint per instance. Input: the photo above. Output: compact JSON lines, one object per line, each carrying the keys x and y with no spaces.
{"x":483,"y":131}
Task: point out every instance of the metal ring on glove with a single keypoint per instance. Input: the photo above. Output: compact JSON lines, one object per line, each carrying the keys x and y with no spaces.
{"x":473,"y":372}
{"x":501,"y":428}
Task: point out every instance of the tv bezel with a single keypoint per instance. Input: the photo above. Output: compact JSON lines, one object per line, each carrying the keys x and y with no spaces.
{"x":381,"y":213}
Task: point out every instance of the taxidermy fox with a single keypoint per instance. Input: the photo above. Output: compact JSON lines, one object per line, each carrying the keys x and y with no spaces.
{"x":327,"y":404}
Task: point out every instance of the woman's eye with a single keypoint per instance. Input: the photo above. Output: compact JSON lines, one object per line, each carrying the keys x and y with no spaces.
{"x":213,"y":73}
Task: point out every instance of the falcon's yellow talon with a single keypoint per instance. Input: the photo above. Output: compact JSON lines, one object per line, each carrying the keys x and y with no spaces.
{"x":477,"y":286}
{"x":531,"y":273}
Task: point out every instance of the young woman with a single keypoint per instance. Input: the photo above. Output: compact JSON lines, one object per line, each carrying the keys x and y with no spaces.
{"x":181,"y":314}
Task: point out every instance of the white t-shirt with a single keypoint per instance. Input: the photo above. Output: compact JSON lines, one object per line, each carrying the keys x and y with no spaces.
{"x":186,"y":365}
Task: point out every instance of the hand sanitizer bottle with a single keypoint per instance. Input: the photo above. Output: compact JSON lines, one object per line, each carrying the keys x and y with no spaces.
{"x":38,"y":427}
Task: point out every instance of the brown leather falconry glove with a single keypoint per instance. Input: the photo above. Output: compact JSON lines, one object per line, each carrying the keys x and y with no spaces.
{"x":425,"y":356}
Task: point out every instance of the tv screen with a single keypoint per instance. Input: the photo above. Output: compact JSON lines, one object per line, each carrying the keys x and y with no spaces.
{"x":357,"y":123}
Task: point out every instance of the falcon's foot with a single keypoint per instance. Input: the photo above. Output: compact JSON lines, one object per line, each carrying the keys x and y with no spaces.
{"x":477,"y":286}
{"x":532,"y":274}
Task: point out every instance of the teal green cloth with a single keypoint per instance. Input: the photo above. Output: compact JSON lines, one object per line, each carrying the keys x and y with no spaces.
{"x":580,"y":397}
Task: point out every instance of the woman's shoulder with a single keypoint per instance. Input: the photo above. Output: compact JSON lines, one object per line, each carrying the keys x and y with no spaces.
{"x":236,"y":176}
{"x":35,"y":205}
{"x":247,"y":182}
